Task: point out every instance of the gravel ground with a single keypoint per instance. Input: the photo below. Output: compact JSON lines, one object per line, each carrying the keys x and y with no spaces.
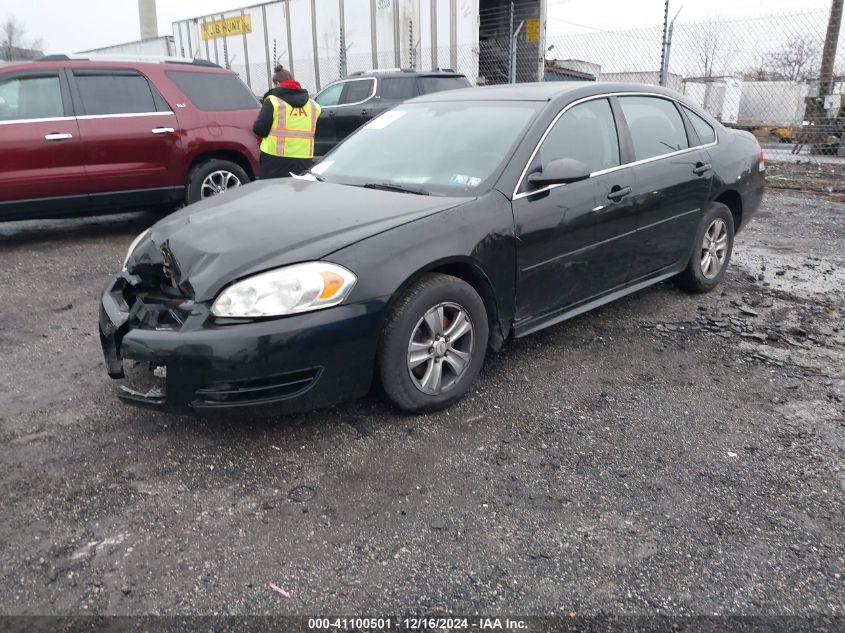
{"x":669,"y":454}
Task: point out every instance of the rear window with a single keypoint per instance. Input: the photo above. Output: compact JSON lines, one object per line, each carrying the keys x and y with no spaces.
{"x":214,"y":91}
{"x":398,"y":87}
{"x":437,"y":84}
{"x":705,"y":131}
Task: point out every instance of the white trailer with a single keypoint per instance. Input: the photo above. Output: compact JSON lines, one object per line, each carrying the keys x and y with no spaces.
{"x":720,"y":96}
{"x":153,"y":47}
{"x":343,"y":37}
{"x":773,"y":103}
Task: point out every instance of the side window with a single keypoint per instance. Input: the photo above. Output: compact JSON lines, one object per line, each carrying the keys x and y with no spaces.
{"x":214,"y":91}
{"x":656,"y":126}
{"x":330,"y":96}
{"x":357,"y":90}
{"x":115,"y":94}
{"x":705,"y":131}
{"x":24,"y":98}
{"x":398,"y":88}
{"x":586,"y":132}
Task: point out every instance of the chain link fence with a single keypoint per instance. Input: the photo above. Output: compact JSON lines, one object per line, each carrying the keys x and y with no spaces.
{"x":764,"y":74}
{"x":769,"y":74}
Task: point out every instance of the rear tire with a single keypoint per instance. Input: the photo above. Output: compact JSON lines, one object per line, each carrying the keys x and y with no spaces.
{"x":714,"y":241}
{"x":433,"y":344}
{"x":212,"y":177}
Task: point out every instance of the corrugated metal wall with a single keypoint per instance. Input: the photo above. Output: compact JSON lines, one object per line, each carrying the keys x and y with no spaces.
{"x":375,"y":33}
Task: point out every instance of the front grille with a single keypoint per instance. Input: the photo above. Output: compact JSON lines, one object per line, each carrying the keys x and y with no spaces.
{"x":257,"y":390}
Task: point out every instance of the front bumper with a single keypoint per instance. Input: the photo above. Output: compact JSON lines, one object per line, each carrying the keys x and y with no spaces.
{"x":270,"y":367}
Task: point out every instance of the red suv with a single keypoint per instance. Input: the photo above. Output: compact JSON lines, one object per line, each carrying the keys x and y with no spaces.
{"x":83,"y":136}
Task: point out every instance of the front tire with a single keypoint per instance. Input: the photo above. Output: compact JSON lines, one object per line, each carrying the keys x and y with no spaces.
{"x":213,"y":177}
{"x":714,"y":241}
{"x":433,"y":344}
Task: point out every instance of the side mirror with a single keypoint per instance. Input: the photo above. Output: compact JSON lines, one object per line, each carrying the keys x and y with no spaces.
{"x":560,"y":171}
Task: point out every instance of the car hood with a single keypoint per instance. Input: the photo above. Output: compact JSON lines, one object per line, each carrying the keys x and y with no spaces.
{"x":268,"y":224}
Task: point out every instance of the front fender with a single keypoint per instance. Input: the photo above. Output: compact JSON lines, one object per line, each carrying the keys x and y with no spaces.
{"x":478,"y":235}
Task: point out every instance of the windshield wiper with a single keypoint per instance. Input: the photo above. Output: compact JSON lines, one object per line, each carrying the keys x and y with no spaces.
{"x":386,"y":186}
{"x":317,"y":177}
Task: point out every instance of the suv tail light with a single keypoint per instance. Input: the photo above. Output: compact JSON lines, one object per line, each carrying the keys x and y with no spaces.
{"x":761,"y":165}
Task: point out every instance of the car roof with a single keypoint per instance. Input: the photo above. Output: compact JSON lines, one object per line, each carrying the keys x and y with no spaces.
{"x":61,"y":61}
{"x":404,"y":72}
{"x":542,"y":91}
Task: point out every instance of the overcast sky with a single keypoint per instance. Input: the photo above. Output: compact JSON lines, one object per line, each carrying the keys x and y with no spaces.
{"x":72,"y":25}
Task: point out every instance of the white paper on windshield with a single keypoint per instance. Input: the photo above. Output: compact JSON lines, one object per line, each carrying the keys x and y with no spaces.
{"x":319,"y":168}
{"x":385,"y":119}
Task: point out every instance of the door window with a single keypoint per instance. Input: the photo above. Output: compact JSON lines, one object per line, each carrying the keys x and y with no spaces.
{"x":357,"y":90}
{"x":115,"y":94}
{"x":586,"y":132}
{"x":705,"y":131}
{"x":212,"y":92}
{"x":25,"y":98}
{"x":437,"y":84}
{"x":655,"y":124}
{"x":398,"y":88}
{"x":330,"y":96}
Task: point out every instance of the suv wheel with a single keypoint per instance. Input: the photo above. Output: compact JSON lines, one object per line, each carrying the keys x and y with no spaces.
{"x":433,"y":344}
{"x":212,"y":177}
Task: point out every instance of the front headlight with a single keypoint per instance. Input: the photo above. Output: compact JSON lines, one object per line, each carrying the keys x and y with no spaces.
{"x":289,"y":290}
{"x":133,"y":246}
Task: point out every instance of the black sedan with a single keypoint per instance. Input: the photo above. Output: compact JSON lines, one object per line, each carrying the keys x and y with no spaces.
{"x":438,"y":230}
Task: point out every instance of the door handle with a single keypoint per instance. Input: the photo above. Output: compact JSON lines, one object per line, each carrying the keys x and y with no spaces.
{"x":365,"y":112}
{"x":331,"y":113}
{"x":163,"y":130}
{"x":617,"y":193}
{"x":701,"y":168}
{"x":56,"y":136}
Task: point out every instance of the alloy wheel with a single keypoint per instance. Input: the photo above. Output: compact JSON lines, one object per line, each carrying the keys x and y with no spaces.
{"x":714,"y":248}
{"x":440,"y":349}
{"x":218,"y":182}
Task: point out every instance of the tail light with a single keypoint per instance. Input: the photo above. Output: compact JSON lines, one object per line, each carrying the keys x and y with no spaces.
{"x":761,"y":164}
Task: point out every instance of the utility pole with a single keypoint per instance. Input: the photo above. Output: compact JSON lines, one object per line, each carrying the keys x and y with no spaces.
{"x":815,"y":112}
{"x":829,"y":52}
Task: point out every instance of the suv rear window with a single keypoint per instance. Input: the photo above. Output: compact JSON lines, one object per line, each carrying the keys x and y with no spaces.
{"x":398,"y":87}
{"x":214,"y":91}
{"x":436,"y":84}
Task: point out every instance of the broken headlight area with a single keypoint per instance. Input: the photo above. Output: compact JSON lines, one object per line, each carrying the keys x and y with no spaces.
{"x":144,"y":382}
{"x":153,"y":301}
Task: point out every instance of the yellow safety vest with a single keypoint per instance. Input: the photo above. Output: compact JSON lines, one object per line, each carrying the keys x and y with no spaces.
{"x":292,"y":134}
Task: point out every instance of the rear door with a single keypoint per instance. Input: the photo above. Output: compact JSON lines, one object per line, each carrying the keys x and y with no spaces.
{"x":326,"y":137}
{"x":356,"y":105}
{"x":575,"y":241}
{"x":131,"y":137}
{"x":673,"y":179}
{"x":41,"y":159}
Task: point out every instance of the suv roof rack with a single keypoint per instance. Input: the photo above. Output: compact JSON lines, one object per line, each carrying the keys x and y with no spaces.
{"x":155,"y":59}
{"x":376,"y":71}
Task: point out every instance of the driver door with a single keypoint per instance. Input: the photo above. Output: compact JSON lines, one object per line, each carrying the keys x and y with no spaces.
{"x":575,"y":241}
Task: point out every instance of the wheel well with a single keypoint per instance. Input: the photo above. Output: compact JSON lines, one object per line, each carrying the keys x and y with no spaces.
{"x":470,"y":274}
{"x":231,"y":155}
{"x":732,"y":201}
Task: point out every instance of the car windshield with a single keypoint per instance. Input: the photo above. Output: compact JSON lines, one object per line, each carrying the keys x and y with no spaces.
{"x":445,"y":148}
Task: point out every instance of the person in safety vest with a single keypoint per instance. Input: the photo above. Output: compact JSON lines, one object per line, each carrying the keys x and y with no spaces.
{"x":286,"y":125}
